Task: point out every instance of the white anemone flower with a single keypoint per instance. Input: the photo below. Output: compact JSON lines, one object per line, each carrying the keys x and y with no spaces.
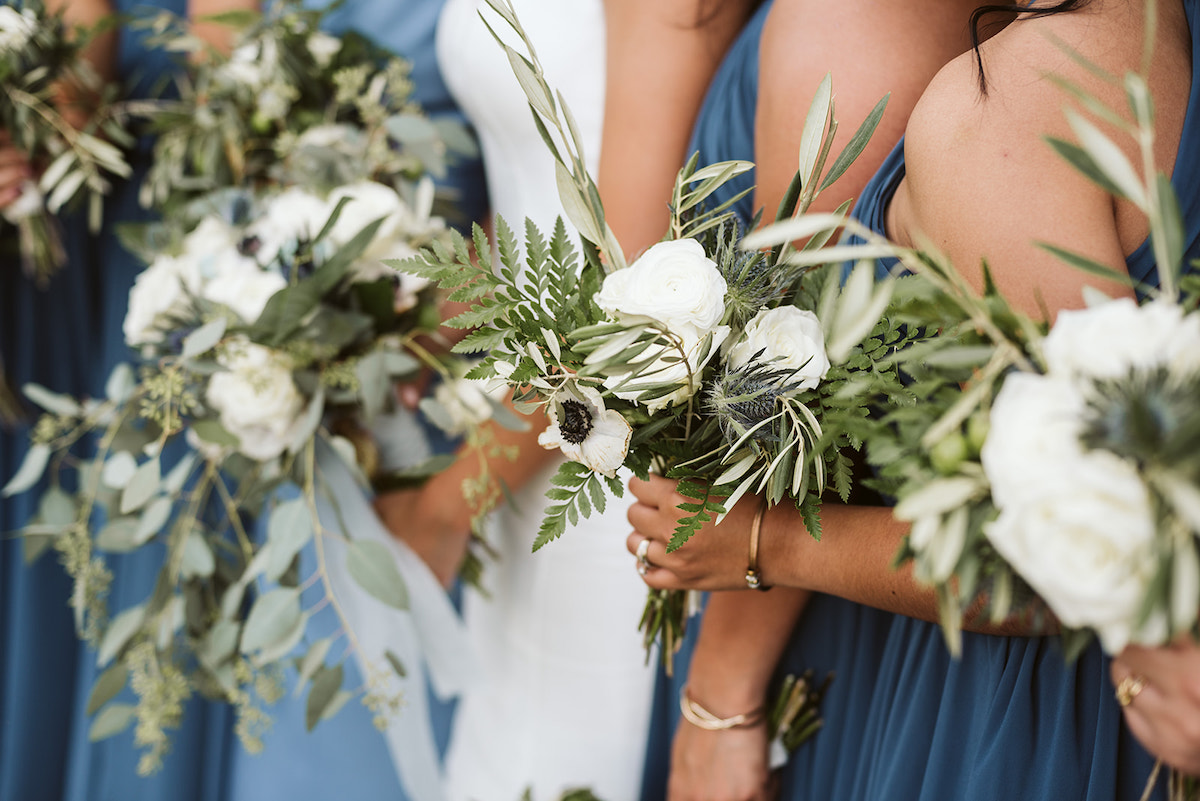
{"x":586,"y":432}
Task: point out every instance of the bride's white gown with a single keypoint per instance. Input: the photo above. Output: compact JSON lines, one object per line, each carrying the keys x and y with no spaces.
{"x":566,"y":697}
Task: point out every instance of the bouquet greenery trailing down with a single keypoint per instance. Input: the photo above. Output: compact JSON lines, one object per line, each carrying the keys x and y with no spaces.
{"x":737,"y":371}
{"x":42,"y":73}
{"x":270,"y":335}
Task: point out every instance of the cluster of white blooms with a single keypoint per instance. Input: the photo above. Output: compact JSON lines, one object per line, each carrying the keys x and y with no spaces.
{"x":1078,"y":524}
{"x":256,"y":398}
{"x":16,"y":29}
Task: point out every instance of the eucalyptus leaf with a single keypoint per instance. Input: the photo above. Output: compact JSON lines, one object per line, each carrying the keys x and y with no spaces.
{"x":289,"y":529}
{"x":121,"y":383}
{"x":112,"y":720}
{"x":30,"y":472}
{"x":272,"y":618}
{"x":374,"y":383}
{"x":325,"y":686}
{"x":396,"y":664}
{"x":119,"y":470}
{"x":53,"y":402}
{"x":204,"y":338}
{"x":106,"y":687}
{"x":154,"y":517}
{"x":120,"y":630}
{"x":121,"y":535}
{"x":197,"y":560}
{"x":142,"y":486}
{"x":314,"y":660}
{"x":372,"y":566}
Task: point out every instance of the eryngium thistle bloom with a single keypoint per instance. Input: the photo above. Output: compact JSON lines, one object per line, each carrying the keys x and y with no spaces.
{"x":753,"y":281}
{"x":1149,"y":417}
{"x":744,"y":398}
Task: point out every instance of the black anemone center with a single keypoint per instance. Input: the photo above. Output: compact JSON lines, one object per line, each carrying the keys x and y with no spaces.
{"x":250,"y":246}
{"x":576,"y":423}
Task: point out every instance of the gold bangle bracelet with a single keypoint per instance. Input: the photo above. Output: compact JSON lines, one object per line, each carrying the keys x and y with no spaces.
{"x":753,"y":575}
{"x":701,"y":718}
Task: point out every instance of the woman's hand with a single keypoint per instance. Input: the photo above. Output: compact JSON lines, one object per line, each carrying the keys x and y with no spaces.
{"x":14,"y":171}
{"x":715,"y":558}
{"x":427,"y":520}
{"x":726,"y":765}
{"x":1165,"y":713}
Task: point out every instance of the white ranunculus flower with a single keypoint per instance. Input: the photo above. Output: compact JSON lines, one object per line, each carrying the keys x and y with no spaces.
{"x":790,"y":339}
{"x":1109,"y":340}
{"x":245,"y":67}
{"x":674,"y":283}
{"x":1078,"y":526}
{"x":256,"y":399}
{"x":288,"y":217}
{"x":244,"y":287}
{"x":16,"y":28}
{"x":323,"y":47}
{"x":668,"y":368}
{"x":158,"y":291}
{"x":585,"y":431}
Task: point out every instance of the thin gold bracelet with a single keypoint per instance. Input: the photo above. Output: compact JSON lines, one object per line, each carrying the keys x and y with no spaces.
{"x":701,"y":718}
{"x":753,"y":575}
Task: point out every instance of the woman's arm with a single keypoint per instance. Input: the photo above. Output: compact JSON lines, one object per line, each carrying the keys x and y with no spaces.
{"x":214,"y":33}
{"x":660,"y":58}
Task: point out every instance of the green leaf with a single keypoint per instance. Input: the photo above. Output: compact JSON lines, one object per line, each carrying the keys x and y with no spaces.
{"x":197,"y":560}
{"x":30,"y":472}
{"x":313,"y":661}
{"x":113,"y":719}
{"x":1109,"y":158}
{"x":289,"y":529}
{"x":142,"y":487}
{"x":857,"y":143}
{"x":815,"y":123}
{"x":213,"y":432}
{"x":374,"y":383}
{"x":271,"y":619}
{"x":106,"y":687}
{"x":119,"y":470}
{"x":371,"y":565}
{"x":325,"y":686}
{"x":154,"y":517}
{"x":1087,"y":265}
{"x":396,"y":664}
{"x":203,"y":339}
{"x":121,"y":535}
{"x":121,"y":383}
{"x":119,"y":632}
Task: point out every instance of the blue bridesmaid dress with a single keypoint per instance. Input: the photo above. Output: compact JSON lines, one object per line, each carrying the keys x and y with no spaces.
{"x":346,"y":756}
{"x":45,"y":336}
{"x":1010,"y":719}
{"x":108,"y":769}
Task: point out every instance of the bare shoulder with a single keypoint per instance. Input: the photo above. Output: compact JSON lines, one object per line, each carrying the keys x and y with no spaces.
{"x":982,"y":182}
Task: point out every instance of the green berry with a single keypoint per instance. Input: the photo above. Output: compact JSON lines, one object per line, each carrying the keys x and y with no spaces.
{"x":948,"y":454}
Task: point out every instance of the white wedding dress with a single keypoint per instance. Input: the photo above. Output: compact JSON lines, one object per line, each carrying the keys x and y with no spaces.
{"x":565,"y":700}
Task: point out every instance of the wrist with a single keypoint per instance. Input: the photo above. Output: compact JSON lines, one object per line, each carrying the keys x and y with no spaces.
{"x":726,"y":698}
{"x":780,"y":548}
{"x":703,"y":717}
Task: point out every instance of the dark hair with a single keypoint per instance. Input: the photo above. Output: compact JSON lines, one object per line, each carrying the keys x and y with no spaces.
{"x":1020,"y":10}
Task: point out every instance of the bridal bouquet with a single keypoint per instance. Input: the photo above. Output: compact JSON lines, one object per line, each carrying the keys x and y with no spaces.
{"x":41,"y":66}
{"x":734,"y":370}
{"x":1061,"y":459}
{"x":290,"y":105}
{"x":270,"y":335}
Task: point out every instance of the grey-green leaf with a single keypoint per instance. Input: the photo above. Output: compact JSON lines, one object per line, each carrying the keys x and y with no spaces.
{"x":31,"y":470}
{"x":288,"y":530}
{"x":142,"y":487}
{"x":119,"y":632}
{"x":204,"y":338}
{"x":325,"y":686}
{"x":272,"y":618}
{"x":113,"y":719}
{"x":106,"y":687}
{"x":371,"y":565}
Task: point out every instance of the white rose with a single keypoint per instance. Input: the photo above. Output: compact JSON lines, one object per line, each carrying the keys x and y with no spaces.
{"x":323,"y":47}
{"x":674,"y":283}
{"x":288,"y":217}
{"x":162,"y":289}
{"x":1078,"y":526}
{"x":789,"y":339}
{"x":1109,"y":340}
{"x":256,"y":399}
{"x":243,"y":286}
{"x":16,"y":28}
{"x":244,"y":66}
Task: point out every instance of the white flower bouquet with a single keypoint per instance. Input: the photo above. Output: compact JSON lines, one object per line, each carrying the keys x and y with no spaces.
{"x":42,"y":72}
{"x":271,"y":335}
{"x":1057,"y":463}
{"x":701,"y":360}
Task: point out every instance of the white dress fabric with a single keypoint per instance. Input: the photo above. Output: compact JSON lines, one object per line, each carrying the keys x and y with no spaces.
{"x":565,"y":697}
